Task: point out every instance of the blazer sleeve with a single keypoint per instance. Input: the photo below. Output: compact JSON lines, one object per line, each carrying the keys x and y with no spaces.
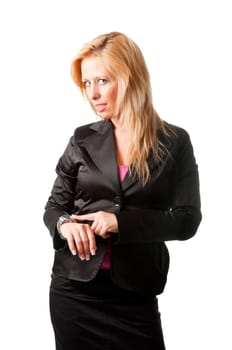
{"x":181,"y":219}
{"x":61,"y":200}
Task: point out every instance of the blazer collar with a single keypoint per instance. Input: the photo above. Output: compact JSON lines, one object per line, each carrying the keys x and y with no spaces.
{"x":100,"y":146}
{"x":131,"y":179}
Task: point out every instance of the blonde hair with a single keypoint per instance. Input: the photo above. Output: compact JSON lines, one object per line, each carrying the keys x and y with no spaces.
{"x":124,"y":60}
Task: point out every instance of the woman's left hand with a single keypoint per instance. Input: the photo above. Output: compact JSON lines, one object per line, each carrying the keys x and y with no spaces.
{"x":103,"y":222}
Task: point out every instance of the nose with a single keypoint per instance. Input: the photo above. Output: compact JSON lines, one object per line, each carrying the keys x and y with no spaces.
{"x":94,"y":92}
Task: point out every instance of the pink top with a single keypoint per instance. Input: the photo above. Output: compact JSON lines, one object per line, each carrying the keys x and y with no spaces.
{"x":122,"y":170}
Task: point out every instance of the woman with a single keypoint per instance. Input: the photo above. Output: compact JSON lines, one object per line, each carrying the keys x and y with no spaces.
{"x":124,"y":186}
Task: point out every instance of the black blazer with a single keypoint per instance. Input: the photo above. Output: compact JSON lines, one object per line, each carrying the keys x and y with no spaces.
{"x":166,"y":208}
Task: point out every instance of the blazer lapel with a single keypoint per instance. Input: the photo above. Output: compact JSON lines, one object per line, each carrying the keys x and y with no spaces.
{"x":131,"y":179}
{"x":100,"y":146}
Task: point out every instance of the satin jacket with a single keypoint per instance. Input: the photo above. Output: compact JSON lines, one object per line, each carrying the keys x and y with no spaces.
{"x":166,"y":208}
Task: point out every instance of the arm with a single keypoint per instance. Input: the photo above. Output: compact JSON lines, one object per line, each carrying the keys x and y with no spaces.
{"x":178,"y":222}
{"x":61,"y":200}
{"x":78,"y":236}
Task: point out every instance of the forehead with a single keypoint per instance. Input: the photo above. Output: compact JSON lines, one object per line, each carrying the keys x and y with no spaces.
{"x":93,"y":66}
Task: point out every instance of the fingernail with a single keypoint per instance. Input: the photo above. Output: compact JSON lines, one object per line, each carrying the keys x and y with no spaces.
{"x":74,"y":253}
{"x":87,"y":257}
{"x":93,"y":252}
{"x":82,"y":258}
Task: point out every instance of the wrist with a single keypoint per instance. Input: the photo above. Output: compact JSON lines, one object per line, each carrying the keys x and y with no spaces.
{"x":63,"y":219}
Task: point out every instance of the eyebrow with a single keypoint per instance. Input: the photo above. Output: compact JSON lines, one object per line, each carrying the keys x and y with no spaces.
{"x":97,"y":77}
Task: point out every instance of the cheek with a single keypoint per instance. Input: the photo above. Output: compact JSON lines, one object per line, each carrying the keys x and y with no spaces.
{"x":113,"y":96}
{"x":87,"y":95}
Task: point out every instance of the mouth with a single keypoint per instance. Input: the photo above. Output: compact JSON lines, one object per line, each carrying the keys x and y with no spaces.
{"x":100,"y":107}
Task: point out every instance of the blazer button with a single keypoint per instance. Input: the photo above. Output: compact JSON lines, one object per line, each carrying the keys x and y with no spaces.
{"x":117,"y":201}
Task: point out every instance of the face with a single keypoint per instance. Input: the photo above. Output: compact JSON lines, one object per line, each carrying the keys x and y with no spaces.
{"x":100,"y":87}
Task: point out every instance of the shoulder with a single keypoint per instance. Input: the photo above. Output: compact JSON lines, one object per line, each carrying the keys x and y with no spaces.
{"x":177,"y":141}
{"x":84,"y":131}
{"x":176,"y":131}
{"x":175,"y":135}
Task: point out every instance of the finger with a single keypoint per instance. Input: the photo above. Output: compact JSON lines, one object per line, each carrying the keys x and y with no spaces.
{"x":84,"y":242}
{"x":100,"y":230}
{"x":92,"y":240}
{"x":71,"y":244}
{"x":79,"y":246}
{"x":84,"y":217}
{"x":94,"y":226}
{"x":105,"y":235}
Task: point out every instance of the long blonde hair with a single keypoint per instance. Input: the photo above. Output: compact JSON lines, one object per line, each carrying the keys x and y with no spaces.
{"x":124,"y":60}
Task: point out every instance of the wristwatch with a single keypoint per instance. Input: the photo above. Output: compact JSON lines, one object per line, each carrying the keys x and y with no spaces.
{"x":62,"y":220}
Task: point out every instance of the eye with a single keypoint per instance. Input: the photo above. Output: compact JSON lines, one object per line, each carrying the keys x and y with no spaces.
{"x":102,"y":81}
{"x":86,"y":83}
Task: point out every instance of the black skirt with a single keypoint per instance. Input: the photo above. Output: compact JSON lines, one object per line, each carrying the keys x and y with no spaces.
{"x":98,"y":315}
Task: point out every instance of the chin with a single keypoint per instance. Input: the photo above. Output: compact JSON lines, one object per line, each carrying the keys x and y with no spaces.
{"x":104,"y":116}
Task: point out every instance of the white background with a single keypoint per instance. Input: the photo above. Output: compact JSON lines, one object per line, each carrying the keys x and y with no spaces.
{"x":187,"y":45}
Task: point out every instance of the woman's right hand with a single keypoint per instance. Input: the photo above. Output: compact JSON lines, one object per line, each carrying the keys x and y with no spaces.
{"x":80,"y":238}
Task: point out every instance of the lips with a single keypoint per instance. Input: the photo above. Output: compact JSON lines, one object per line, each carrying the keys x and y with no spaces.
{"x":100,"y":107}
